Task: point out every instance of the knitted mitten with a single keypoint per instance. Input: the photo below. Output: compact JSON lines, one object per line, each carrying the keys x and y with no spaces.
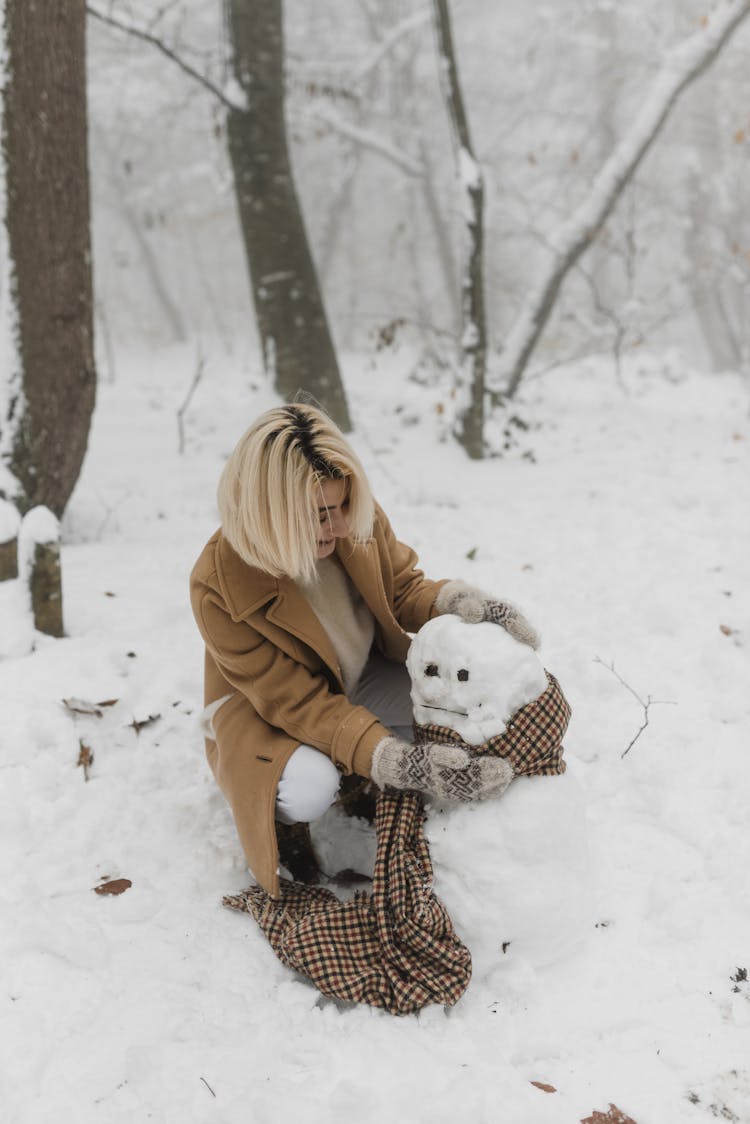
{"x":446,"y":772}
{"x":473,"y":606}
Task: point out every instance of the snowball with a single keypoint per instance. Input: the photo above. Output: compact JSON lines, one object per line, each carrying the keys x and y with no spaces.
{"x":471,"y":677}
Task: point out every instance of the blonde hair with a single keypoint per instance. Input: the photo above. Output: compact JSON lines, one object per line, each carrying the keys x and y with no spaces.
{"x":266,"y":495}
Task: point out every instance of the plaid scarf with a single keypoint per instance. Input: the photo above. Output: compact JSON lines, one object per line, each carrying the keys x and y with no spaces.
{"x":395,"y":948}
{"x":532,"y":741}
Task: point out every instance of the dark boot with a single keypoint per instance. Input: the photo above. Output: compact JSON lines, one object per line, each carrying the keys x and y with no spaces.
{"x":296,"y":852}
{"x":357,"y":797}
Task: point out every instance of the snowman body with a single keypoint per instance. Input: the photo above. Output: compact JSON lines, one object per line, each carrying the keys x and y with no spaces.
{"x":514,"y":872}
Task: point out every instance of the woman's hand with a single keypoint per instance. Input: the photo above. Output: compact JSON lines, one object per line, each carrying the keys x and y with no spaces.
{"x":446,"y":772}
{"x":473,"y":606}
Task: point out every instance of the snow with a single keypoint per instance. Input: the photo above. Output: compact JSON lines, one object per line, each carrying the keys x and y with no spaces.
{"x":9,"y":521}
{"x":621,"y":528}
{"x":9,"y":361}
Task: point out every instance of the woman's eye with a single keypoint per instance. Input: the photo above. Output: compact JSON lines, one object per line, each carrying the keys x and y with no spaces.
{"x":431,"y":669}
{"x":462,"y":674}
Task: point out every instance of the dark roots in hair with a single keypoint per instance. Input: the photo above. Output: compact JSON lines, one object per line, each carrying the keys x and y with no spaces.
{"x":302,"y":436}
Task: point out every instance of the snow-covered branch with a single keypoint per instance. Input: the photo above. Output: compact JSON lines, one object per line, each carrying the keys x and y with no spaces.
{"x":232,"y":100}
{"x":389,"y":42}
{"x":682,"y":65}
{"x":367,"y":138}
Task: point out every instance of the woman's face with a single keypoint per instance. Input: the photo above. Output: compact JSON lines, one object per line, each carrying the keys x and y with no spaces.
{"x":333,"y":504}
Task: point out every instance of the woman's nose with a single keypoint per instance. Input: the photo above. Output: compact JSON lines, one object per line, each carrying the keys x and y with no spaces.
{"x":339,"y":525}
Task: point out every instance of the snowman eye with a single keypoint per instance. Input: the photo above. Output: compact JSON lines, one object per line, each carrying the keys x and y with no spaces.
{"x":431,"y":669}
{"x":462,"y":674}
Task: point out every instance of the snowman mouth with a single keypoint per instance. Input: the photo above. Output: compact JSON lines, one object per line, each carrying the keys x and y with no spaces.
{"x":446,"y":710}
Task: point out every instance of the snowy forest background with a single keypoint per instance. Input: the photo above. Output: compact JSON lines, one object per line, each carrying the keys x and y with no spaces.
{"x":608,"y":920}
{"x":549,"y":89}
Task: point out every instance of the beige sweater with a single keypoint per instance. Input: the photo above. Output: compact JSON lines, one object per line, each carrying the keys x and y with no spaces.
{"x":341,"y":610}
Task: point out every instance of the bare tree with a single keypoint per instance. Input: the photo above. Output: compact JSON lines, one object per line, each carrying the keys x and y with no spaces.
{"x":50,"y":379}
{"x":681,"y":66}
{"x":297,"y":347}
{"x":473,"y":358}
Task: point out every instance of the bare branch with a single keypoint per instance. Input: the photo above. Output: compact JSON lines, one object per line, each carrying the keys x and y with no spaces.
{"x":646,"y":705}
{"x":200,"y":369}
{"x":368,"y":139}
{"x":156,"y":42}
{"x":387,"y":44}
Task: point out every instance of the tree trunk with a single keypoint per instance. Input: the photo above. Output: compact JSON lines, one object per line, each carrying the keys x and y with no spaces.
{"x":298,"y":351}
{"x":45,"y":424}
{"x":473,"y":360}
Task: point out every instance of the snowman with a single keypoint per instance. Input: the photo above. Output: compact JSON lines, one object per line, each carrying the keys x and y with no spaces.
{"x":514,"y":872}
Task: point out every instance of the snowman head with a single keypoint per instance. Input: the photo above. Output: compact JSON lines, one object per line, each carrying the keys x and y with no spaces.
{"x":471,"y":677}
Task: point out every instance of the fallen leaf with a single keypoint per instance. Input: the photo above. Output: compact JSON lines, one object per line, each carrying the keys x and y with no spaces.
{"x":614,"y":1115}
{"x":82,"y":706}
{"x":739,"y":136}
{"x":544,"y":1087}
{"x":108,"y":702}
{"x":140,"y":725}
{"x":109,"y":593}
{"x":116,"y":886}
{"x":726,"y":630}
{"x":471,"y":554}
{"x":85,"y":759}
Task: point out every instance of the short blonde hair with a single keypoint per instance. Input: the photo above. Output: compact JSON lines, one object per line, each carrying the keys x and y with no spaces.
{"x":266,"y":495}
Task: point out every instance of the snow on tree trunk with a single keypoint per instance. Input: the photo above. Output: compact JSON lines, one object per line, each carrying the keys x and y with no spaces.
{"x":297,"y":347}
{"x":49,"y":381}
{"x":473,"y":358}
{"x":11,"y":392}
{"x":9,"y":524}
{"x":681,"y":66}
{"x":39,"y":552}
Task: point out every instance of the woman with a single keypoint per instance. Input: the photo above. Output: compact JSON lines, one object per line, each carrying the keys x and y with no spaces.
{"x":305,"y":600}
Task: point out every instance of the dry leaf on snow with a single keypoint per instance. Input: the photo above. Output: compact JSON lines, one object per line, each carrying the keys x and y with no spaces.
{"x":115,"y":886}
{"x":614,"y":1115}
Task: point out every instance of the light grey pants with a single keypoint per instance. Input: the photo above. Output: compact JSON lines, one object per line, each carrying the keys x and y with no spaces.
{"x":310,"y":781}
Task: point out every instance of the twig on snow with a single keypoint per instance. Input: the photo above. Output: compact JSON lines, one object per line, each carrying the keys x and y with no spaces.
{"x":646,"y":705}
{"x":213,"y":1094}
{"x":199,"y":371}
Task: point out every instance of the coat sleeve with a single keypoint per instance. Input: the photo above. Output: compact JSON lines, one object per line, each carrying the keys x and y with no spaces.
{"x":411,"y":594}
{"x":286,"y":694}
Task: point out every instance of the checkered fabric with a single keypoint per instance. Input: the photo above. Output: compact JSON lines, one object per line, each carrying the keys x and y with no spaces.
{"x":532,"y":741}
{"x":395,"y":948}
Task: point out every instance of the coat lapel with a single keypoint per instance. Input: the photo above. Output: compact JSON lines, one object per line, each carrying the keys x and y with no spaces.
{"x":292,"y":612}
{"x":245,"y":590}
{"x":362,"y":563}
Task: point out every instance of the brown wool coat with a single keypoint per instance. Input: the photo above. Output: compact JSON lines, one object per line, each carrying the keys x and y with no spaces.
{"x":267,"y":649}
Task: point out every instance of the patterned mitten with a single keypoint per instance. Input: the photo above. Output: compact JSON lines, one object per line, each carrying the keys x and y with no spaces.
{"x":473,"y":606}
{"x":446,"y":772}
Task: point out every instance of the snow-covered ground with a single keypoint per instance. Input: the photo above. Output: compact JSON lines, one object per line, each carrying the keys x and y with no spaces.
{"x":622,"y":526}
